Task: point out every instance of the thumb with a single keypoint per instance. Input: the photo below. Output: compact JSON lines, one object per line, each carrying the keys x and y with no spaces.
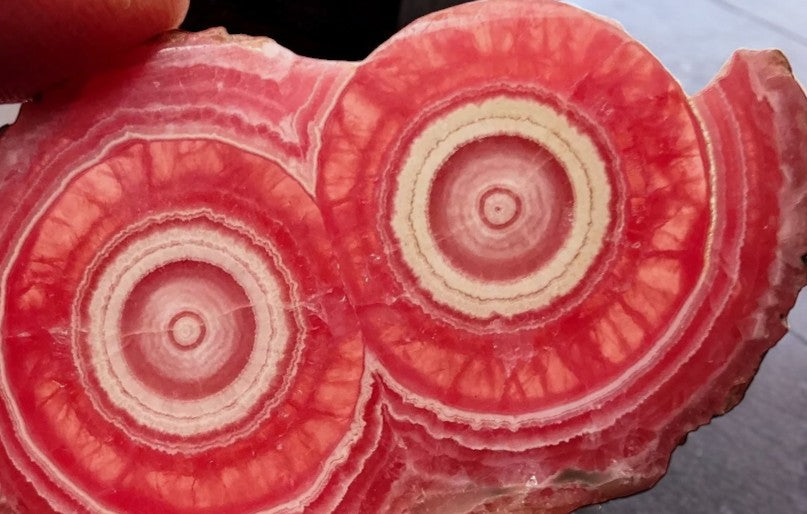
{"x":45,"y":41}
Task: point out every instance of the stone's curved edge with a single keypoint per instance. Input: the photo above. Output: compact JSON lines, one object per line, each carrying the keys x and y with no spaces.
{"x":770,"y":77}
{"x":768,"y":74}
{"x":469,"y":11}
{"x":290,"y":137}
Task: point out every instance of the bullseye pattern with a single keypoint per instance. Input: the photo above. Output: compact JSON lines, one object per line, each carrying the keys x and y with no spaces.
{"x":529,"y":242}
{"x":148,"y":345}
{"x":549,"y":226}
{"x":507,"y":215}
{"x":499,"y":207}
{"x":282,"y":285}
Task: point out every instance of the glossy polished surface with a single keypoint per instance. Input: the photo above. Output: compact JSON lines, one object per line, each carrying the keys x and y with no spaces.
{"x":273,"y":283}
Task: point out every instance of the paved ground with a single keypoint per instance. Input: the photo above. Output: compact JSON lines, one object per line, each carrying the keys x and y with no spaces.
{"x":754,"y":460}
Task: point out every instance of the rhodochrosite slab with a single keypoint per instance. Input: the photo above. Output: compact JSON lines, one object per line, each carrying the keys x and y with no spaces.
{"x":503,"y":264}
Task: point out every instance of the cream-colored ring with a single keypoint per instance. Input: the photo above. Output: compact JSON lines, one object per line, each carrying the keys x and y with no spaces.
{"x":183,"y":417}
{"x":502,"y":115}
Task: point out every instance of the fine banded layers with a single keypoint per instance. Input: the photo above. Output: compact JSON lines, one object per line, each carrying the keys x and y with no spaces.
{"x":505,"y":262}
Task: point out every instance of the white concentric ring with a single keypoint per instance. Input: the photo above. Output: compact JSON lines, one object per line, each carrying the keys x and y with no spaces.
{"x":501,"y":115}
{"x":177,"y":416}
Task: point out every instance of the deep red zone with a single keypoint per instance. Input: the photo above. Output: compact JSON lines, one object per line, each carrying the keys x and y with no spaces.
{"x":500,"y":207}
{"x":137,"y":321}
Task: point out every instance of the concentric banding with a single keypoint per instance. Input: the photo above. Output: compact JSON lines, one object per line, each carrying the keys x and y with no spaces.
{"x":512,"y":339}
{"x":212,"y":267}
{"x":187,"y":329}
{"x":499,"y":207}
{"x":207,"y":309}
{"x":590,"y":216}
{"x":157,"y":331}
{"x":149,"y":261}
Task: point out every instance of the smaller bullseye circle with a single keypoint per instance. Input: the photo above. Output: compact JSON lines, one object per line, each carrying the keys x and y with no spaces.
{"x":499,"y":207}
{"x":187,"y":330}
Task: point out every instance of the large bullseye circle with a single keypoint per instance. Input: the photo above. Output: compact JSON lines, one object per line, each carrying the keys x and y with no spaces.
{"x":179,"y":335}
{"x":186,"y":326}
{"x":500,"y":193}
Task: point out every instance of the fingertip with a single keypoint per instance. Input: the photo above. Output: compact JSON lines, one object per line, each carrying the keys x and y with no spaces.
{"x":43,"y":43}
{"x":180,"y":10}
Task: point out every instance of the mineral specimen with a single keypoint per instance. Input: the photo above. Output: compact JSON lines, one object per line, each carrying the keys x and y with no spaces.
{"x":503,"y":264}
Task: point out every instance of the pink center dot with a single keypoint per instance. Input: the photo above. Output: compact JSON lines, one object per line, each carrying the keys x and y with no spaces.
{"x":187,"y":330}
{"x":499,"y":207}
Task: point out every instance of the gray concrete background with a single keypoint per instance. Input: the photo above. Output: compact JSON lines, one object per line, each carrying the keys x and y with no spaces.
{"x":753,"y":460}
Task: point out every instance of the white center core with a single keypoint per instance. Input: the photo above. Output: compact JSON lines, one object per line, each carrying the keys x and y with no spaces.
{"x":187,"y":330}
{"x":499,"y":208}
